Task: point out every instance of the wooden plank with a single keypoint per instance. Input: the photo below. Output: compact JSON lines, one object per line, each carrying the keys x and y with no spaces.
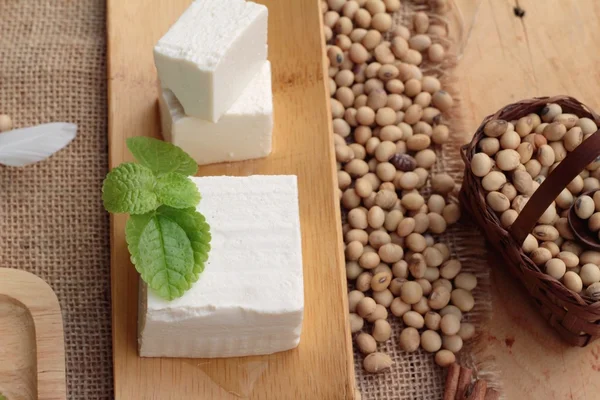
{"x":32,"y":350}
{"x":552,"y":50}
{"x":321,"y":367}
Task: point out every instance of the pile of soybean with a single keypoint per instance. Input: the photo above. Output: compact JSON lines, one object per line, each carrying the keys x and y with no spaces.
{"x":513,"y":160}
{"x":387,"y":119}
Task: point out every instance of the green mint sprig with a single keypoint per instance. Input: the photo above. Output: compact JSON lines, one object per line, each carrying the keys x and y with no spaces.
{"x":168,"y":239}
{"x":2,"y":397}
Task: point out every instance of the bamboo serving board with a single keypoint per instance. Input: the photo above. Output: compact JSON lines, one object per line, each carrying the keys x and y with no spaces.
{"x":32,"y":351}
{"x":321,"y":367}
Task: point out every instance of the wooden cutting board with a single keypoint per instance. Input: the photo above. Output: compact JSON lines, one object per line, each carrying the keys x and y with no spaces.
{"x":552,"y":50}
{"x":321,"y":367}
{"x":32,"y":351}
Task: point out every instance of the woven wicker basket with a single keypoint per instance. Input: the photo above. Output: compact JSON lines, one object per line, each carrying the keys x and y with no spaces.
{"x":574,"y":316}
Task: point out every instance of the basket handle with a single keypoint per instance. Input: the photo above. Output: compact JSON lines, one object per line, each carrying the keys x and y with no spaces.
{"x":561,"y":176}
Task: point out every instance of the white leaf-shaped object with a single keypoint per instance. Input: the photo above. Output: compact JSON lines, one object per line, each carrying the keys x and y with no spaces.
{"x":25,"y":146}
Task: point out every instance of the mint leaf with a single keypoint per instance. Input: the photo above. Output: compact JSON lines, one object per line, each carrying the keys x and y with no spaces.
{"x":165,"y":258}
{"x":197,"y":230}
{"x":161,"y":157}
{"x":129,"y":188}
{"x":176,"y":190}
{"x":168,"y":240}
{"x":2,"y":397}
{"x":133,"y":231}
{"x":193,"y":224}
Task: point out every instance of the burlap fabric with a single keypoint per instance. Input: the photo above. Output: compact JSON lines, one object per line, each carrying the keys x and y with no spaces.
{"x":52,"y":68}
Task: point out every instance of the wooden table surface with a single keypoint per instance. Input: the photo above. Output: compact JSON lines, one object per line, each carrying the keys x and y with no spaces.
{"x":553,"y":50}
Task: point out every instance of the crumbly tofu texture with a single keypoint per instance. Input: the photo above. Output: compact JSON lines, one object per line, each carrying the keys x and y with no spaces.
{"x":250,"y":298}
{"x":209,"y":56}
{"x":243,"y":133}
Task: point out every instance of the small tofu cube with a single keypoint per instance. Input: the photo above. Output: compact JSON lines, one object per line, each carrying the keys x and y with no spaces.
{"x":209,"y":56}
{"x":250,"y":298}
{"x":243,"y":133}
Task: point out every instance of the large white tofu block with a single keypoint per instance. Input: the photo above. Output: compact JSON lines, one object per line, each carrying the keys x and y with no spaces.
{"x":243,"y":133}
{"x":209,"y":56}
{"x":250,"y":298}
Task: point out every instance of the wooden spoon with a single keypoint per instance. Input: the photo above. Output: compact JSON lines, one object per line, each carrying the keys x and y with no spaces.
{"x":580,"y":227}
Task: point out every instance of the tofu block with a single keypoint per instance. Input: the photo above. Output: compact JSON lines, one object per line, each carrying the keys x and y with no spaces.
{"x":209,"y":56}
{"x":250,"y":298}
{"x":243,"y":133}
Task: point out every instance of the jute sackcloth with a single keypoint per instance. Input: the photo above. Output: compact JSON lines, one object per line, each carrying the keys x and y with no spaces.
{"x":52,"y":223}
{"x":415,"y":375}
